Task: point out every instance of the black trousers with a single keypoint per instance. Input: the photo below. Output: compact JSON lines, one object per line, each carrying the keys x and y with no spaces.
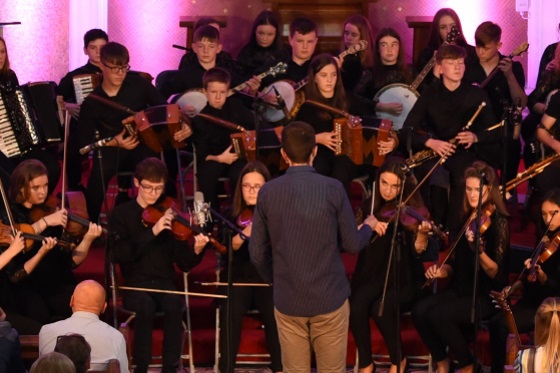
{"x":364,"y":303}
{"x":443,"y":319}
{"x":146,"y":305}
{"x":242,"y":300}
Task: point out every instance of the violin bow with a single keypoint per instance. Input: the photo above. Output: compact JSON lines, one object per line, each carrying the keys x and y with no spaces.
{"x":8,"y":210}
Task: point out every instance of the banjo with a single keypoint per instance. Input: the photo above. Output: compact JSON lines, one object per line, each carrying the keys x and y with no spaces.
{"x":407,"y":94}
{"x":289,"y":90}
{"x":197,"y":99}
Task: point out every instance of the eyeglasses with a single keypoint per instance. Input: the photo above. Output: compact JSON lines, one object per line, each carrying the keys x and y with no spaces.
{"x":151,"y":189}
{"x":117,"y":69}
{"x":251,"y":188}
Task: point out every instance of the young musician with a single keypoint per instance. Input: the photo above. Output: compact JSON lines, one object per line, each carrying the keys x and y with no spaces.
{"x":146,"y":256}
{"x":100,"y":121}
{"x":441,"y":319}
{"x":443,"y":22}
{"x":94,"y":40}
{"x":369,"y":276}
{"x":213,"y":146}
{"x":8,"y":84}
{"x":301,"y":222}
{"x":541,"y":279}
{"x":389,"y":67}
{"x":303,"y":40}
{"x":544,"y":356}
{"x":206,"y":45}
{"x":547,"y":132}
{"x":505,"y":89}
{"x":244,"y":298}
{"x":438,"y":122}
{"x":265,"y":46}
{"x":41,"y":278}
{"x":325,"y":87}
{"x":538,"y":102}
{"x":224,"y":58}
{"x":356,"y":28}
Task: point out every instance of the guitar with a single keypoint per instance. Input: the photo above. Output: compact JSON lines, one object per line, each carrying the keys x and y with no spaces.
{"x":500,"y":300}
{"x":289,"y":90}
{"x":407,"y":94}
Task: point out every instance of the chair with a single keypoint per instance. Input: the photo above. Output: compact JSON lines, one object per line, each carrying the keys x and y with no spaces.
{"x":113,"y":366}
{"x":242,"y":358}
{"x":362,"y":182}
{"x":125,"y":327}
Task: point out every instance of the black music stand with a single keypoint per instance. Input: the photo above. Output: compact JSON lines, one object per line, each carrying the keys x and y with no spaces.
{"x":3,"y":24}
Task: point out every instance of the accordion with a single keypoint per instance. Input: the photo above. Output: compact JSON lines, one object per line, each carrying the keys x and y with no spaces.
{"x":84,"y":84}
{"x":29,"y":118}
{"x":359,"y":139}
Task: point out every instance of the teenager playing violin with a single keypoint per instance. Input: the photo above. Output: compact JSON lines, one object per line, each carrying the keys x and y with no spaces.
{"x":441,"y":318}
{"x":541,"y":282}
{"x":253,"y":176}
{"x":146,"y":256}
{"x":41,"y":279}
{"x":368,"y":278}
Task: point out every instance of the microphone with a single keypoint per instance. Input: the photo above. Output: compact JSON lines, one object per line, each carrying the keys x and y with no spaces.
{"x":405,"y":168}
{"x":201,"y":213}
{"x":281,"y":102}
{"x":94,"y":145}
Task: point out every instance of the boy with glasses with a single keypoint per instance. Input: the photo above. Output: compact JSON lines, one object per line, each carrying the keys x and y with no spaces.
{"x":146,"y":256}
{"x":99,"y":121}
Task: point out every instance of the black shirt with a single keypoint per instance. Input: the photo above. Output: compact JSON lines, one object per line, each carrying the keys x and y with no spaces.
{"x":136,"y":93}
{"x":212,"y":139}
{"x":443,"y":113}
{"x":144,"y":258}
{"x":497,"y":88}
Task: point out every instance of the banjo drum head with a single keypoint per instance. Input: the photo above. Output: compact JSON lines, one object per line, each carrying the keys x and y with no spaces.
{"x":286,"y":90}
{"x":195,"y":98}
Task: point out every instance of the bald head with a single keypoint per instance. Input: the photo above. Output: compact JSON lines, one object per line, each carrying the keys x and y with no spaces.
{"x":88,"y":296}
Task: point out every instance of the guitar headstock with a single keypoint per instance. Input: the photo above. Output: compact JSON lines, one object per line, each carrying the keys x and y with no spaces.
{"x":522,"y":48}
{"x":500,"y":301}
{"x":358,"y":47}
{"x":279,"y":68}
{"x":453,"y":34}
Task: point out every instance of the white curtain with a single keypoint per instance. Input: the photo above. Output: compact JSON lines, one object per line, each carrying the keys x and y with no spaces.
{"x":542,"y":30}
{"x":84,"y":15}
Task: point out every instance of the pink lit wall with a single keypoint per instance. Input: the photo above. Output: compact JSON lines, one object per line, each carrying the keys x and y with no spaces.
{"x":38,"y":48}
{"x":392,"y":13}
{"x":149,"y":28}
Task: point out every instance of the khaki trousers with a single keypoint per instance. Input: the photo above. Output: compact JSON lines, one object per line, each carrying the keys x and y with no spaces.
{"x":326,"y":335}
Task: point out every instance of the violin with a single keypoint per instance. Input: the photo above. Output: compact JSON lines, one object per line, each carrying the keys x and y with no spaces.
{"x":411,"y":218}
{"x":470,"y":223}
{"x":545,"y":250}
{"x":485,"y":220}
{"x":181,"y":228}
{"x":28,"y":233}
{"x":245,"y":218}
{"x":78,"y":219}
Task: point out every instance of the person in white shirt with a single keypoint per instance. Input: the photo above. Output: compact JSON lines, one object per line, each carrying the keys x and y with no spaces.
{"x":87,"y":302}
